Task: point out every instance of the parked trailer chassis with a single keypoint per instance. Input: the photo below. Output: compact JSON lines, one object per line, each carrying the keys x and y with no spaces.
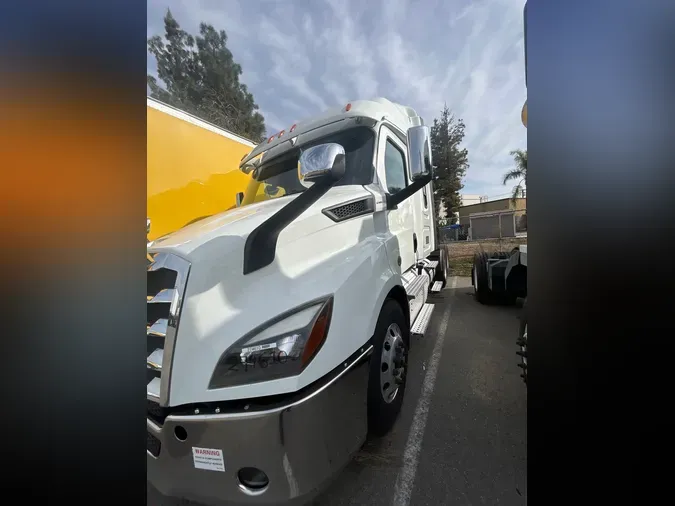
{"x":502,"y":278}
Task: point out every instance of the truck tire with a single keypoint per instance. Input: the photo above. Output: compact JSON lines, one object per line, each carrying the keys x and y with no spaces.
{"x":479,"y":278}
{"x":388,"y":368}
{"x":441,"y":273}
{"x":522,"y":342}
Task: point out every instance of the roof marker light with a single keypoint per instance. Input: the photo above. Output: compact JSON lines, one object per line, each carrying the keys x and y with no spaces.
{"x":293,"y":127}
{"x":270,"y":139}
{"x":281,"y":133}
{"x":349,"y":106}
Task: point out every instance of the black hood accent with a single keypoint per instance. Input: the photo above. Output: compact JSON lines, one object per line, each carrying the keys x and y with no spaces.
{"x":261,"y":244}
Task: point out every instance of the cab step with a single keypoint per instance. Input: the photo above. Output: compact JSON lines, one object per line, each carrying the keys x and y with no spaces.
{"x":417,"y":287}
{"x":431,"y":264}
{"x":437,"y":286}
{"x":419,"y":327}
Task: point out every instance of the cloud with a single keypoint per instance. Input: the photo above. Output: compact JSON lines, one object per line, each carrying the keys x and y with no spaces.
{"x":299,"y":58}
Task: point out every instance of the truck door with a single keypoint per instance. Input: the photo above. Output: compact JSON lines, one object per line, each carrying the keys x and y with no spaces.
{"x":422,"y":211}
{"x":392,"y":171}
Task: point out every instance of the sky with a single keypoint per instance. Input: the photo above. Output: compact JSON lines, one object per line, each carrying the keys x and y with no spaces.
{"x":300,"y":57}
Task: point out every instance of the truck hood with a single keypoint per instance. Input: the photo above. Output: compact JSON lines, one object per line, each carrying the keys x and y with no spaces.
{"x":315,"y":257}
{"x":188,"y":241}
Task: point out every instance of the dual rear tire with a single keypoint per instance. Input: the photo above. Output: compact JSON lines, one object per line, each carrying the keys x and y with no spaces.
{"x":479,"y":278}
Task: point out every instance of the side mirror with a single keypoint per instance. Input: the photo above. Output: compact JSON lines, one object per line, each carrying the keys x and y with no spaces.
{"x":419,"y":152}
{"x":325,"y":161}
{"x":239,"y":198}
{"x":421,"y":169}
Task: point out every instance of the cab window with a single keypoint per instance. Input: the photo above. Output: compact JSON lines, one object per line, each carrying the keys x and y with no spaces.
{"x":394,"y":168}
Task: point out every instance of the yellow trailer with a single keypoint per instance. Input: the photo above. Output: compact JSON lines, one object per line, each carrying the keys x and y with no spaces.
{"x":192,"y":168}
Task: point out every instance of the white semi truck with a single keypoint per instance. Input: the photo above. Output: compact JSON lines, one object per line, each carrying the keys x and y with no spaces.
{"x":278,"y":332}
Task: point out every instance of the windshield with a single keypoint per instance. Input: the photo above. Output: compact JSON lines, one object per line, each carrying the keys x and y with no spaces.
{"x":279,"y":177}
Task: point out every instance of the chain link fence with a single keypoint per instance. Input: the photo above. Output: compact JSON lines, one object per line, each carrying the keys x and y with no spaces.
{"x":453,"y":233}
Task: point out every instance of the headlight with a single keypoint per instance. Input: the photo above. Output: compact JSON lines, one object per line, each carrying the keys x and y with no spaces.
{"x":277,"y":349}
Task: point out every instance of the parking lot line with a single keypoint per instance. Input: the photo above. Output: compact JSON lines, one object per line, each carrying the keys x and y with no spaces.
{"x":406,"y":477}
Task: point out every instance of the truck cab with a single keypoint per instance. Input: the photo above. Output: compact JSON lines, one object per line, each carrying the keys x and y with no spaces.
{"x":278,"y":331}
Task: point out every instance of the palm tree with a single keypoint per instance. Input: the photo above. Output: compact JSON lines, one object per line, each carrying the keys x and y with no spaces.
{"x":519,"y":173}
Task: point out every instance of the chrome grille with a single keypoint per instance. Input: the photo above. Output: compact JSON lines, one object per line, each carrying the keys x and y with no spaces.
{"x":167,"y":277}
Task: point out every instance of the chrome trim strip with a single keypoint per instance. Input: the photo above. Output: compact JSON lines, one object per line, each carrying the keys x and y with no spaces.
{"x":164,"y":296}
{"x":154,"y":361}
{"x":153,"y":389}
{"x":225,"y":416}
{"x":155,"y":429}
{"x":182,"y":269}
{"x":251,"y":492}
{"x":158,"y":328}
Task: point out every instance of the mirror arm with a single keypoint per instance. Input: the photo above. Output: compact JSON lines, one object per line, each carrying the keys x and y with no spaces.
{"x":394,"y":200}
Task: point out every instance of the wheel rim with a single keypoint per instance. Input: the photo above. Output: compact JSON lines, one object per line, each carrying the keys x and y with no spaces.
{"x":392,"y":363}
{"x":475,"y":279}
{"x":524,"y":348}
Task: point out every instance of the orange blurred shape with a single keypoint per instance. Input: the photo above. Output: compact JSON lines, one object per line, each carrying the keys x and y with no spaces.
{"x":73,"y":162}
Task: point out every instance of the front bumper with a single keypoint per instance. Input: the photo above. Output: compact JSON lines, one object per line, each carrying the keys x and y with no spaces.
{"x":299,"y":445}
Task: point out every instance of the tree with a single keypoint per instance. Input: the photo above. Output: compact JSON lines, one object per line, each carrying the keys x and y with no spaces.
{"x":519,"y":173}
{"x":202,"y":78}
{"x":451,"y":162}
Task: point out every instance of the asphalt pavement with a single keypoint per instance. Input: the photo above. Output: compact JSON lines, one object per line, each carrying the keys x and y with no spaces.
{"x":461,"y":437}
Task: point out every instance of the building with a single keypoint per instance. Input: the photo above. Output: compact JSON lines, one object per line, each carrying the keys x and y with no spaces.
{"x":468,"y":200}
{"x":495,"y":219}
{"x":465,"y":200}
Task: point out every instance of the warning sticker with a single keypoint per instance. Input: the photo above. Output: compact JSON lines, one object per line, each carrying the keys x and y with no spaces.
{"x":210,"y":459}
